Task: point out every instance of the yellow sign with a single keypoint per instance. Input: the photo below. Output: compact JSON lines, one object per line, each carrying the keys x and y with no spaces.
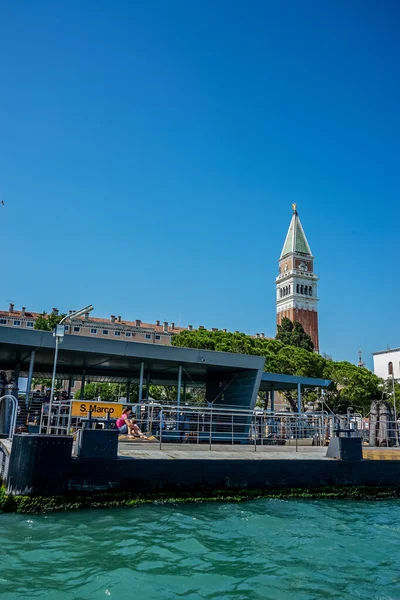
{"x":98,"y":409}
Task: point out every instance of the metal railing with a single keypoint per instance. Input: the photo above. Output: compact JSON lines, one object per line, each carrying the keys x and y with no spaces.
{"x":207,"y":425}
{"x":229,"y":425}
{"x":56,"y":419}
{"x":218,"y":424}
{"x":14,"y":412}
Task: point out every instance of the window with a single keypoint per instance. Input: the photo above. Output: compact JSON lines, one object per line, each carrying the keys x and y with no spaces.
{"x":66,"y":327}
{"x":105,"y":331}
{"x":17,"y":323}
{"x":29,"y":323}
{"x":128,"y":334}
{"x":117,"y":333}
{"x":77,"y":329}
{"x":3,"y":321}
{"x":390,"y":368}
{"x":148,"y":336}
{"x":158,"y":337}
{"x":93,"y":330}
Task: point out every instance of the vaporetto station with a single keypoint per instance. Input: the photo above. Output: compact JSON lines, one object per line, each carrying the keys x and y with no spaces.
{"x":221,"y":444}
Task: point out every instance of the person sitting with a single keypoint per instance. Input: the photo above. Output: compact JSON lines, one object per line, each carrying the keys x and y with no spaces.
{"x":127,"y":425}
{"x":136,"y":429}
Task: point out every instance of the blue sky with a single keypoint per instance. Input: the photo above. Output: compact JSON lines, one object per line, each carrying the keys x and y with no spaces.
{"x":150,"y":153}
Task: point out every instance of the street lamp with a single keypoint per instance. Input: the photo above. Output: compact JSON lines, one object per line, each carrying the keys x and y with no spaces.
{"x":58,"y":333}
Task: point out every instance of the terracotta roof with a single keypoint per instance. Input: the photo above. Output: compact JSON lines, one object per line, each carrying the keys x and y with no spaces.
{"x":16,"y":314}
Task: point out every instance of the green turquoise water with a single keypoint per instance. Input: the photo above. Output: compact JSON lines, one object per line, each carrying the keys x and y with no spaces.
{"x":278,"y":549}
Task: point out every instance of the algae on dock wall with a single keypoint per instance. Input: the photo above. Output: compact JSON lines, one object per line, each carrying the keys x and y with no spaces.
{"x":40,"y":504}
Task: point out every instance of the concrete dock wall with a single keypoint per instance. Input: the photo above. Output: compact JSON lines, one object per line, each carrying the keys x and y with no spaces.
{"x":158,"y":475}
{"x":43,"y":465}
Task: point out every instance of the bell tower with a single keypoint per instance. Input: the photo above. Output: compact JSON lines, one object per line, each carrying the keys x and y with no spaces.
{"x":296,"y":284}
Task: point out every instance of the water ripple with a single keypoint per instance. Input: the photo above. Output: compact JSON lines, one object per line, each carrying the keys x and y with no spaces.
{"x":267,"y":549}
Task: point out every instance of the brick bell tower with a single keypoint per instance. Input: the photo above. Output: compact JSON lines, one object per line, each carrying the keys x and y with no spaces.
{"x":296,"y":284}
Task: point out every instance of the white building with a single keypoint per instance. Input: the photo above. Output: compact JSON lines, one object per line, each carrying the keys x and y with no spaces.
{"x":387,"y":363}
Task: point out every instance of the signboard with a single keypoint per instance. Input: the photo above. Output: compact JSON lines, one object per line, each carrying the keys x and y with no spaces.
{"x":99,"y":409}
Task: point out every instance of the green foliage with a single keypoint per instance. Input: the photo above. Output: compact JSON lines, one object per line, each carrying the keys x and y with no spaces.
{"x":168,"y":394}
{"x":352,"y":386}
{"x":388,"y":392}
{"x":107,"y":391}
{"x":47,"y":322}
{"x":41,"y":504}
{"x":46,"y":383}
{"x":292,"y":334}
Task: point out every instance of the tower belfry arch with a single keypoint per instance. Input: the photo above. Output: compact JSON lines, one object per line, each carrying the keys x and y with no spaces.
{"x":296,"y":284}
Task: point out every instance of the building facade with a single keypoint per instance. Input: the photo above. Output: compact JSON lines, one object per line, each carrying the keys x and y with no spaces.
{"x":296,"y":284}
{"x":387,"y":363}
{"x":114,"y":328}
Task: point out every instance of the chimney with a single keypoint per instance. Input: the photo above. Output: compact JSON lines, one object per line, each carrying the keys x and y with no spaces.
{"x":173,"y":325}
{"x":257,"y":335}
{"x":263,"y":335}
{"x":54,"y":311}
{"x":201,"y":327}
{"x":158,"y":323}
{"x":112,"y":318}
{"x":190,"y":327}
{"x":70,"y":312}
{"x":237,"y":331}
{"x":214,"y":329}
{"x":224,"y":330}
{"x":165,"y":326}
{"x":23,"y":311}
{"x":119,"y":318}
{"x":11,"y":307}
{"x":138,"y":322}
{"x":86,"y":316}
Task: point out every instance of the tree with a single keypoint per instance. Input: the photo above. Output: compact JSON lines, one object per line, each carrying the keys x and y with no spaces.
{"x":47,"y":322}
{"x":107,"y":391}
{"x":46,"y":383}
{"x":387,"y":392}
{"x":293,"y":334}
{"x":351,"y":385}
{"x":168,"y":394}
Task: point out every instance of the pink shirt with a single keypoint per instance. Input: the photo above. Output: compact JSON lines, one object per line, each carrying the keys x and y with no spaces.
{"x":122,"y":419}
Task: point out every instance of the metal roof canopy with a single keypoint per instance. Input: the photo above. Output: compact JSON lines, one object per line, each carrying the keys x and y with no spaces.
{"x":280,"y":383}
{"x":118,"y":362}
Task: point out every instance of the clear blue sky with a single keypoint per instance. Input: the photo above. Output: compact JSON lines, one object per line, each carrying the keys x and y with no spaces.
{"x":150,"y":153}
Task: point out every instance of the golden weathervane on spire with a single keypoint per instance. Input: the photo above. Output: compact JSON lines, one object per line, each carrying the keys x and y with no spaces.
{"x":294,"y":206}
